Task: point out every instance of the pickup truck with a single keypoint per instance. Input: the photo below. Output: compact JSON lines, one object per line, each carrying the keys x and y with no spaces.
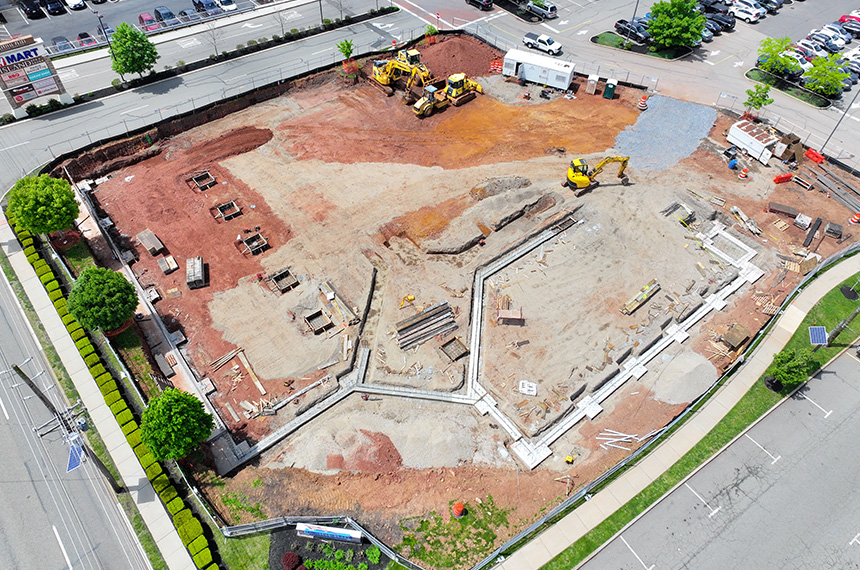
{"x":543,"y":43}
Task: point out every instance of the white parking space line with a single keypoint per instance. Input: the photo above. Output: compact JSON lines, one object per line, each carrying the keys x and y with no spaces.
{"x":636,"y":555}
{"x":826,"y":413}
{"x":63,"y":548}
{"x":550,"y":28}
{"x":769,"y":454}
{"x":704,"y":502}
{"x":5,"y":413}
{"x":855,"y":540}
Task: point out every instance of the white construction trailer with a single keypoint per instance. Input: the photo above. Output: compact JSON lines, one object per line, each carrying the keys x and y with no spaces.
{"x":756,"y":142}
{"x":537,"y":68}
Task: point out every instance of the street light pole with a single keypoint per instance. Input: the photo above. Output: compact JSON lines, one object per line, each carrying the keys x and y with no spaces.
{"x":839,"y":122}
{"x":107,"y":37}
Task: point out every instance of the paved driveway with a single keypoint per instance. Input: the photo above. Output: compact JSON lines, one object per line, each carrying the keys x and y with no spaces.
{"x":783,"y":495}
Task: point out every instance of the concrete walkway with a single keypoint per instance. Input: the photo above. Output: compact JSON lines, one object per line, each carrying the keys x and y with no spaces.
{"x":572,"y":527}
{"x":134,"y":478}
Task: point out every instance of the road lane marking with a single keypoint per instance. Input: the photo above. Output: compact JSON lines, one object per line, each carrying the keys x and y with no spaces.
{"x":322,"y":51}
{"x":2,"y":405}
{"x":826,"y":413}
{"x":698,"y":496}
{"x":550,"y":28}
{"x":855,"y":540}
{"x":186,"y":43}
{"x":15,"y":145}
{"x":135,"y":109}
{"x":636,"y":555}
{"x":63,"y":548}
{"x":775,"y":459}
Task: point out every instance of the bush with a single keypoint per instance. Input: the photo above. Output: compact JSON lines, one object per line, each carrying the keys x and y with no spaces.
{"x":68,"y":319}
{"x":97,"y":369}
{"x":54,"y":295}
{"x":118,"y":407}
{"x":40,"y":266}
{"x":146,"y":459}
{"x":133,"y":437}
{"x":203,"y":558}
{"x":80,"y":344}
{"x":112,"y":397}
{"x":374,"y":554}
{"x":33,"y":257}
{"x":142,"y":451}
{"x":348,"y":556}
{"x":198,"y":544}
{"x":338,"y":555}
{"x":108,"y":387}
{"x":28,"y":251}
{"x":92,"y":360}
{"x":60,"y":303}
{"x":124,"y":417}
{"x":52,"y":285}
{"x":87,"y":349}
{"x":174,"y":506}
{"x":72,"y":327}
{"x":103,"y":378}
{"x":47,"y":277}
{"x":153,"y":471}
{"x":168,"y":494}
{"x":182,"y":517}
{"x":190,"y":530}
{"x":129,"y":428}
{"x":160,"y":483}
{"x":361,"y":566}
{"x":26,"y":242}
{"x":78,"y":334}
{"x":25,"y":234}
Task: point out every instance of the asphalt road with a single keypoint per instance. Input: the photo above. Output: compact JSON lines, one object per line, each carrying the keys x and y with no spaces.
{"x":50,"y":518}
{"x":784,"y":495}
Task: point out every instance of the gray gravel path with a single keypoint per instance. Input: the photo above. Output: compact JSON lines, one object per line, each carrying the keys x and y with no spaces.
{"x":669,"y":131}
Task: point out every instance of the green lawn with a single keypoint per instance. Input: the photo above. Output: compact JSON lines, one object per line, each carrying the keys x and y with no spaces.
{"x":245,"y":553}
{"x":79,"y":257}
{"x":612,"y":39}
{"x":130,"y":348}
{"x":832,"y":308}
{"x":788,"y":88}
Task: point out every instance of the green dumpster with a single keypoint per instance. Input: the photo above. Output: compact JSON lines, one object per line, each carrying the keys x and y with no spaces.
{"x":609,"y":90}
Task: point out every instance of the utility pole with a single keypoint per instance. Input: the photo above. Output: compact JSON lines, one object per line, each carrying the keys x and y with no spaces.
{"x":843,"y":324}
{"x":62,"y":420}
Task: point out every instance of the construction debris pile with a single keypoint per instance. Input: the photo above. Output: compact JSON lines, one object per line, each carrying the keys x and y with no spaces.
{"x":433,"y":321}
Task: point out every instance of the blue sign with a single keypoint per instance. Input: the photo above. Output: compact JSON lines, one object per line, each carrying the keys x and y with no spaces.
{"x":818,"y":335}
{"x":75,"y":453}
{"x":40,"y":74}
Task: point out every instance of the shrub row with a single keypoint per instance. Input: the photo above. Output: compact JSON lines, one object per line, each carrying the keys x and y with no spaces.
{"x":189,"y":528}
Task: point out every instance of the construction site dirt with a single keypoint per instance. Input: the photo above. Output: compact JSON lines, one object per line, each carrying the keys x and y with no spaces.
{"x":379,"y":215}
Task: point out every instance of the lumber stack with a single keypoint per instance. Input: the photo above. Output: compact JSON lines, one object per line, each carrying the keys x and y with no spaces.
{"x":432,"y":321}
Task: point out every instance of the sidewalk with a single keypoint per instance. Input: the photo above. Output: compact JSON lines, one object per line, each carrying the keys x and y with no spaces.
{"x":574,"y":526}
{"x":133,"y":476}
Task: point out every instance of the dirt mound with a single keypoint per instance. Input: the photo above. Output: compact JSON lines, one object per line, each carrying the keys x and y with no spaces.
{"x":377,"y":455}
{"x":499,"y":185}
{"x":458,"y":54}
{"x":232,"y":143}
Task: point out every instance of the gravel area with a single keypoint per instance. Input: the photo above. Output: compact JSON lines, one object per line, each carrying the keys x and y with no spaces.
{"x":668,"y":132}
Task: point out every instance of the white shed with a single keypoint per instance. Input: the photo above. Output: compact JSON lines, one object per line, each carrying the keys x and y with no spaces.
{"x":538,"y":68}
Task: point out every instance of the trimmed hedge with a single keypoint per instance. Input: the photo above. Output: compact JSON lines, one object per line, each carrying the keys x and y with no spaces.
{"x":112,"y":397}
{"x":118,"y":406}
{"x":54,"y":295}
{"x":182,"y":517}
{"x":189,"y":530}
{"x":97,"y":369}
{"x":28,"y":251}
{"x":160,"y":483}
{"x":153,"y":471}
{"x":168,"y":494}
{"x":26,"y":242}
{"x":146,"y":459}
{"x":92,"y":360}
{"x":103,"y":378}
{"x":108,"y":387}
{"x":133,"y":437}
{"x":129,"y":427}
{"x":87,"y":350}
{"x":124,"y":417}
{"x":63,"y":311}
{"x":40,"y":266}
{"x":47,"y":277}
{"x":176,"y":505}
{"x":33,"y":258}
{"x":141,"y":452}
{"x":203,"y":558}
{"x":77,"y":335}
{"x":60,"y":303}
{"x":68,"y":319}
{"x":52,"y":285}
{"x":76,"y":326}
{"x":81,"y":343}
{"x":22,"y":233}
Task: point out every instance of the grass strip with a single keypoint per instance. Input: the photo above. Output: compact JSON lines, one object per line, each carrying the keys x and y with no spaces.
{"x":611,"y":39}
{"x":788,"y":88}
{"x":829,"y":310}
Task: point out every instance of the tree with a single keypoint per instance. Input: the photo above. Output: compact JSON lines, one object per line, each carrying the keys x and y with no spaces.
{"x":791,"y":367}
{"x":102,"y":298}
{"x":824,"y":76}
{"x":346,"y":48}
{"x":174,"y":424}
{"x":43,"y":204}
{"x":675,"y":23}
{"x":213,"y":35}
{"x":758,"y":97}
{"x":132,"y":51}
{"x":772,"y":58}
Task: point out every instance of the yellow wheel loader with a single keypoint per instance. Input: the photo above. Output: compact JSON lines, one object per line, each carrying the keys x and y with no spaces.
{"x":438,"y":94}
{"x":581,"y":180}
{"x":407,"y":64}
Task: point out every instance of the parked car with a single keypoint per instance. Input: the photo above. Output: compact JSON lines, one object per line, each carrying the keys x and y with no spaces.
{"x":852,"y":64}
{"x":62,"y":44}
{"x":207,"y":7}
{"x":481,"y":4}
{"x":98,"y":1}
{"x":814,"y":47}
{"x":771,"y":6}
{"x":752,"y":5}
{"x":713,"y":27}
{"x":104,"y":32}
{"x":31,"y":9}
{"x":800,"y":59}
{"x":76,"y":4}
{"x":147,"y":22}
{"x":850,"y":26}
{"x":846,"y":36}
{"x":53,"y":7}
{"x":642,"y":21}
{"x":714,"y":6}
{"x":824,"y":41}
{"x":632,"y":31}
{"x":542,"y":8}
{"x":850,"y":17}
{"x":707,"y":35}
{"x":835,"y":37}
{"x":84,"y":39}
{"x":805,"y":53}
{"x":743,"y":13}
{"x":725,"y":21}
{"x":792,"y":73}
{"x":165,"y":16}
{"x":188,"y":16}
{"x":226,"y":5}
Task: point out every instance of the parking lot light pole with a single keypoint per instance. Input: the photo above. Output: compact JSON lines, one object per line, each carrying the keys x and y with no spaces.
{"x":107,"y":37}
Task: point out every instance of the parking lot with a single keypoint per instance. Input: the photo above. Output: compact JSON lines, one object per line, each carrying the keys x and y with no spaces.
{"x":775,"y":498}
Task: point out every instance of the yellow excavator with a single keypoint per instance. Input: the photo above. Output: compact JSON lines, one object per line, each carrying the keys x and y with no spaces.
{"x":406,"y":64}
{"x":581,"y":180}
{"x":455,"y":90}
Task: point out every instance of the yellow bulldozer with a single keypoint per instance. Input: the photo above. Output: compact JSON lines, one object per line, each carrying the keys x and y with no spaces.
{"x":581,"y":180}
{"x":438,"y":94}
{"x":406,"y":65}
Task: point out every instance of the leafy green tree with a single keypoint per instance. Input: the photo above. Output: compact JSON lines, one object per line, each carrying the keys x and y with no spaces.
{"x":346,"y":48}
{"x":825,"y":77}
{"x":174,"y":424}
{"x":675,"y":23}
{"x":102,"y":299}
{"x":131,"y":51}
{"x":43,"y":204}
{"x":758,"y":97}
{"x":771,"y":56}
{"x":791,"y":367}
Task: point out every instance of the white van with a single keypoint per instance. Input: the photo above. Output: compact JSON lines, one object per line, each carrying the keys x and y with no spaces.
{"x":545,"y":9}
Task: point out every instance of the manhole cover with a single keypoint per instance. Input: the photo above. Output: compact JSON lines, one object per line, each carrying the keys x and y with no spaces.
{"x":849,"y":293}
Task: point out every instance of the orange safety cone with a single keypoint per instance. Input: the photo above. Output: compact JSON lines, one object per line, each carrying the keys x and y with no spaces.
{"x":458,"y":510}
{"x":855,"y":219}
{"x":742,"y":175}
{"x":643,"y":103}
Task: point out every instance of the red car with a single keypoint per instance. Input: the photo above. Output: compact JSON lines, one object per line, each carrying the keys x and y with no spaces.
{"x":84,"y":39}
{"x":855,"y":15}
{"x":148,"y":22}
